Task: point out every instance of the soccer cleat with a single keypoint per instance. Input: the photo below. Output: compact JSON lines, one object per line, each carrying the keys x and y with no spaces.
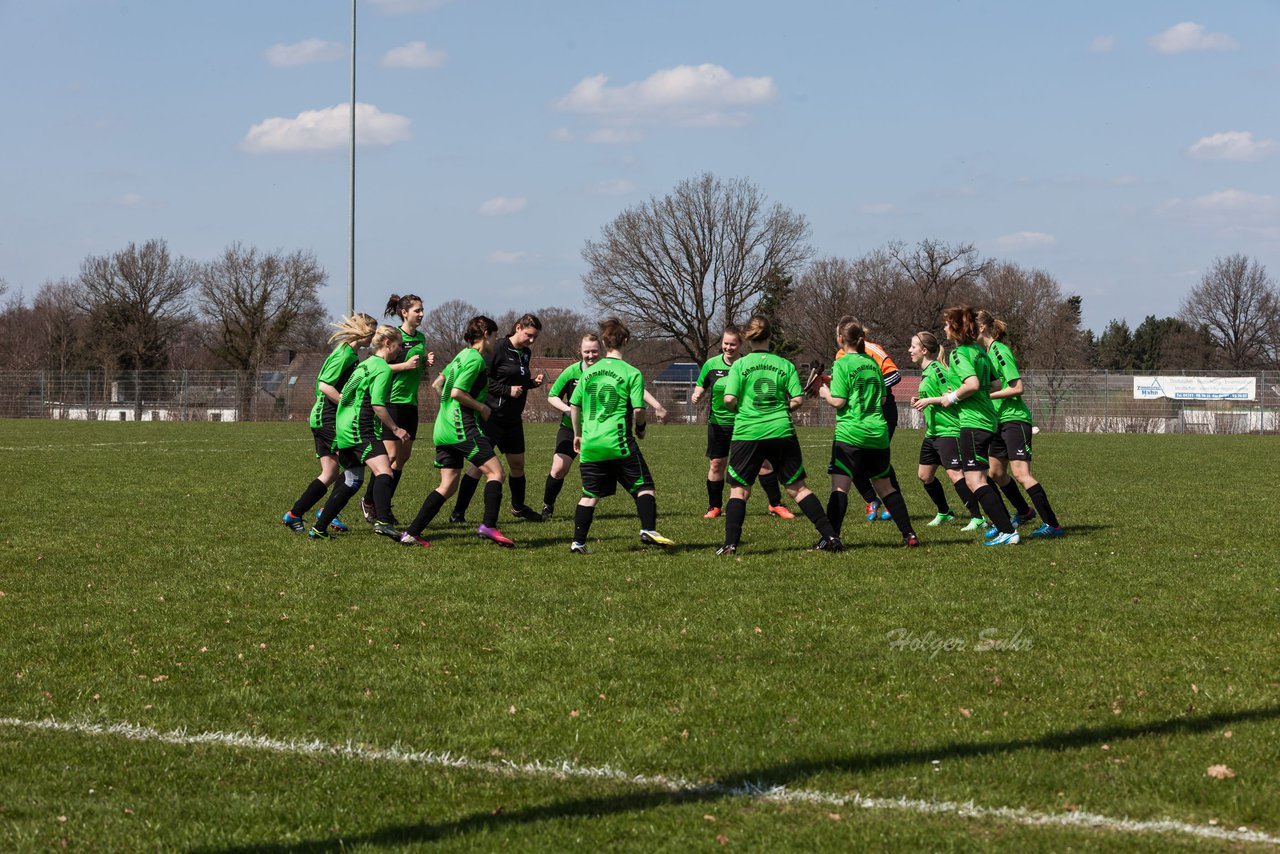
{"x":457,"y":518}
{"x":885,"y":515}
{"x":579,"y":549}
{"x":712,"y":513}
{"x":941,"y":519}
{"x":829,"y":544}
{"x":729,"y":551}
{"x":910,"y":541}
{"x":292,"y":522}
{"x":1020,"y":520}
{"x":1004,"y":540}
{"x":407,"y":539}
{"x":977,"y":523}
{"x":337,"y":524}
{"x":386,"y":529}
{"x":873,"y":511}
{"x":526,"y":513}
{"x":1047,"y":531}
{"x":369,"y":510}
{"x":392,"y":517}
{"x":781,"y":512}
{"x":547,"y":510}
{"x":653,"y":538}
{"x":993,"y":532}
{"x":316,"y":534}
{"x":495,"y":536}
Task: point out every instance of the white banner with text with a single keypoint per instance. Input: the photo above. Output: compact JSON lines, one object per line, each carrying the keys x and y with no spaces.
{"x":1195,"y":388}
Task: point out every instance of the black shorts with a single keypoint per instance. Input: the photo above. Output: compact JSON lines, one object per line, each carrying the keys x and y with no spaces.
{"x":1012,"y":442}
{"x":601,"y":478}
{"x":506,"y":437}
{"x":975,"y":448}
{"x":852,"y":461}
{"x":351,"y":458}
{"x":718,"y":438}
{"x":746,"y":457}
{"x":564,"y":442}
{"x":324,"y":440}
{"x":941,"y":451}
{"x":477,"y":452}
{"x":406,"y":417}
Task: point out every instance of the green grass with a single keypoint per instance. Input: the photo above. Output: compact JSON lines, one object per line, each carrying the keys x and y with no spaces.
{"x":131,"y":552}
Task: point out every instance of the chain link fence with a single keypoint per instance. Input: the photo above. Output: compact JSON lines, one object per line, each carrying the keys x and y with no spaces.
{"x":1074,"y":402}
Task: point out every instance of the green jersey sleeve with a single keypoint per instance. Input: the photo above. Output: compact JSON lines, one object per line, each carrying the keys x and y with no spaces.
{"x":380,"y":385}
{"x":1006,"y":367}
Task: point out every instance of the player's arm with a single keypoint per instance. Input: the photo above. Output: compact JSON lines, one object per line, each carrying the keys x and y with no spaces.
{"x":407,"y":365}
{"x":639,"y":421}
{"x":658,"y":409}
{"x":558,"y":404}
{"x":575,"y":416}
{"x":384,"y":415}
{"x":824,"y":391}
{"x":330,"y":392}
{"x":470,"y":402}
{"x":1012,"y":388}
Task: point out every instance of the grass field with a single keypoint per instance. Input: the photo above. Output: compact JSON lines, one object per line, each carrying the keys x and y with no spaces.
{"x":287,"y":695}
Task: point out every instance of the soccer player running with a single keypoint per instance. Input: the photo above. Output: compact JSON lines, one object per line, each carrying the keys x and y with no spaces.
{"x":360,"y":423}
{"x":889,"y":370}
{"x":558,"y":396}
{"x":607,"y":411}
{"x":351,"y":334}
{"x":941,"y":445}
{"x":459,"y":439}
{"x":971,"y":368}
{"x":763,"y":389}
{"x":1011,"y":448}
{"x":711,"y":381}
{"x":406,"y":377}
{"x":861,"y":445}
{"x":509,"y":380}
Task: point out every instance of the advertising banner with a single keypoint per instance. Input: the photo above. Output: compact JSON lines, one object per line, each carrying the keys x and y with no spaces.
{"x":1195,"y":388}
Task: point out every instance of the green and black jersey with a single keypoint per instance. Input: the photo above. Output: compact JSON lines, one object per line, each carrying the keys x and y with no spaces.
{"x":369,"y":386}
{"x":404,"y":384}
{"x":1007,"y":408}
{"x":860,"y":421}
{"x":607,"y":394}
{"x":563,"y":388}
{"x":455,"y":423}
{"x":935,"y":381}
{"x":975,"y":411}
{"x":335,"y":371}
{"x":712,"y":379}
{"x":764,"y":384}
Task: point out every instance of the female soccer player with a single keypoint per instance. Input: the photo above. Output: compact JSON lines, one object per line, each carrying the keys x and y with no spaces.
{"x":1011,"y":448}
{"x":351,"y":334}
{"x":558,"y":396}
{"x":509,"y":380}
{"x":607,"y":410}
{"x":977,"y":416}
{"x":459,"y":439}
{"x":861,"y":445}
{"x":406,"y":376}
{"x":941,"y":445}
{"x":720,"y":429}
{"x":360,"y":423}
{"x":762,"y":390}
{"x":889,"y":370}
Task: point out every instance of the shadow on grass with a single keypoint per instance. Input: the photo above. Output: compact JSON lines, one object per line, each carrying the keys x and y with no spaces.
{"x":783,"y":774}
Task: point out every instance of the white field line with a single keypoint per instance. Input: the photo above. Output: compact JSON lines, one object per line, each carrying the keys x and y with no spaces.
{"x":564,"y":769}
{"x":159,"y":442}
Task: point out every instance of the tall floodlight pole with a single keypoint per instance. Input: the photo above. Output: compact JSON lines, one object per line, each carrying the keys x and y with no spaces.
{"x":351,"y":237}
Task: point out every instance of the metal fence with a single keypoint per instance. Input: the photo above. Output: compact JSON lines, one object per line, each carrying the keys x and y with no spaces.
{"x":1075,"y":402}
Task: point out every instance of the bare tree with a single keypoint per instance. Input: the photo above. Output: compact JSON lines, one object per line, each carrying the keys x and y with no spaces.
{"x":1238,"y":304}
{"x":677,"y":268}
{"x":442,"y":327}
{"x":824,"y":292}
{"x":937,"y":275}
{"x":562,"y":331}
{"x":138,"y":300}
{"x":257,"y":303}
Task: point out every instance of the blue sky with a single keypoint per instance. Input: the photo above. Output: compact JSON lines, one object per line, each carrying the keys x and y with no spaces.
{"x":1119,"y":146}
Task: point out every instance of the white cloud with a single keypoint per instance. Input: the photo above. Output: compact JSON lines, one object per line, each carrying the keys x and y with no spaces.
{"x":505,"y":256}
{"x":325,"y":130}
{"x":880,"y":209}
{"x":688,"y":95}
{"x":304,"y":52}
{"x":615,"y":136}
{"x":616,"y":187}
{"x":503,"y":205}
{"x":1232,"y":145}
{"x":1229,"y":210}
{"x":1103,"y":44}
{"x":1124,"y":180}
{"x":561,"y":135}
{"x":1189,"y":36}
{"x":414,"y":55}
{"x":1023,"y":240}
{"x":130,"y":200}
{"x":402,"y":7}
